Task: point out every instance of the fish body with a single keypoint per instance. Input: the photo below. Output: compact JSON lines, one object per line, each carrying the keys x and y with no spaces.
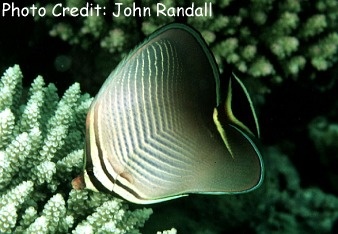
{"x":154,"y":132}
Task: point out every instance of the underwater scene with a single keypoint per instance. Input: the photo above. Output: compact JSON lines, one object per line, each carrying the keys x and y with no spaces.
{"x":144,"y":116}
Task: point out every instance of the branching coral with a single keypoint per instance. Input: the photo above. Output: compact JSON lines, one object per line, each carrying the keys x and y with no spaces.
{"x":287,"y":36}
{"x":41,"y":144}
{"x":261,"y":38}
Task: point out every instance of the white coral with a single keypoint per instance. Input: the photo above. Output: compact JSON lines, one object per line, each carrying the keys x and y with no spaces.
{"x":41,"y":150}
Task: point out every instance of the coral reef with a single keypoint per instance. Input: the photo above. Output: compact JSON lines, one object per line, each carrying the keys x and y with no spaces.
{"x":290,"y":208}
{"x":324,"y":134}
{"x":41,"y":151}
{"x":264,"y":38}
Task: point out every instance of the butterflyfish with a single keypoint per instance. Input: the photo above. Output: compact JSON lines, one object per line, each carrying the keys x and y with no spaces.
{"x":158,"y":129}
